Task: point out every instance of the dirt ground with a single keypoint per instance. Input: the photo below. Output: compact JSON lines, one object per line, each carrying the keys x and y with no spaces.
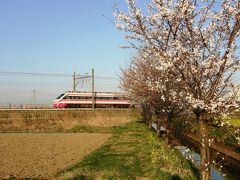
{"x":41,"y":155}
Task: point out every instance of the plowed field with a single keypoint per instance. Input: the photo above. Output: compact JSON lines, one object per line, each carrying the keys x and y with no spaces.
{"x":42,"y":155}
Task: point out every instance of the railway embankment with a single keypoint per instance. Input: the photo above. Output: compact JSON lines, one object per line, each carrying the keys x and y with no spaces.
{"x":61,"y":120}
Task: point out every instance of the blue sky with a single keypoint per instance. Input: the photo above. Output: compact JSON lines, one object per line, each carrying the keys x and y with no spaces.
{"x":59,"y":36}
{"x":56,"y":36}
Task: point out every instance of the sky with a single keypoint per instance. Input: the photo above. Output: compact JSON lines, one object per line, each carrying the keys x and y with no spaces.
{"x":57,"y":36}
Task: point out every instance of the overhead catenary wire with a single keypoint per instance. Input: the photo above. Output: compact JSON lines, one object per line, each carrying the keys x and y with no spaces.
{"x":105,"y":77}
{"x":34,"y":74}
{"x":13,"y":73}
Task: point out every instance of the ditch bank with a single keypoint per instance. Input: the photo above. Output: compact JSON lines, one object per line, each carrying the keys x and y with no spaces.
{"x":227,"y":159}
{"x":225,"y":150}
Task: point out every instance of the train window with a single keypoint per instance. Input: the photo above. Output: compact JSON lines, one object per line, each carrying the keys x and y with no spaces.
{"x":83,"y":97}
{"x":66,"y":97}
{"x":71,"y":97}
{"x":104,"y":98}
{"x":99,"y":98}
{"x":59,"y":96}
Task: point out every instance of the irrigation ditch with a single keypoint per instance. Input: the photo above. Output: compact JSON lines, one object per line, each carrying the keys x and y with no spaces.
{"x":227,"y":159}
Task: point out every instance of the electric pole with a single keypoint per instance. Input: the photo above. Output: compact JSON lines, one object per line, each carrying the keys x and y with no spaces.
{"x":34,"y":96}
{"x":74,"y":81}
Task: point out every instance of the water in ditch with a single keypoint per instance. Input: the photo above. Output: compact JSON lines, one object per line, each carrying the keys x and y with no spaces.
{"x":192,"y":155}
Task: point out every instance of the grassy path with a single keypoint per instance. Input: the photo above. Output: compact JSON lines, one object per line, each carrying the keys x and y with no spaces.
{"x":133,"y":152}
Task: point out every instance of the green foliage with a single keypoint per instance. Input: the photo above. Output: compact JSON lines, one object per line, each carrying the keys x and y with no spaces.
{"x":233,"y":121}
{"x":226,"y":135}
{"x":131,"y":153}
{"x":162,"y":157}
{"x":231,"y":140}
{"x":218,"y":132}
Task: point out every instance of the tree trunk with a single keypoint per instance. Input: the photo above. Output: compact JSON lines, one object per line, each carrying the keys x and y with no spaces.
{"x":158,"y":127}
{"x":169,"y":127}
{"x":167,"y":132}
{"x":145,"y":118}
{"x":205,"y":166}
{"x":149,"y":117}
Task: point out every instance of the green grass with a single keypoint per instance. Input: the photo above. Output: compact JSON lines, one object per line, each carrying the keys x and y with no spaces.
{"x":131,"y":153}
{"x":90,"y":129}
{"x":233,"y":121}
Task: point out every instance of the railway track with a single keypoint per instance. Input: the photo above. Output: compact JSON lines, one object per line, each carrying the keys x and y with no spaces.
{"x":69,"y":109}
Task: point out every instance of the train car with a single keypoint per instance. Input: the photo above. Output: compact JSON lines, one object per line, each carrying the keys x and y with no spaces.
{"x":72,"y":99}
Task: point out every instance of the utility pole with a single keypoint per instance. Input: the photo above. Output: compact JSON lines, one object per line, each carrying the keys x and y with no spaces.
{"x":34,"y":96}
{"x":74,"y":81}
{"x":93,"y":93}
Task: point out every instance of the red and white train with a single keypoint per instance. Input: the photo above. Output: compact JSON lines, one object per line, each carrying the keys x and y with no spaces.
{"x":75,"y":99}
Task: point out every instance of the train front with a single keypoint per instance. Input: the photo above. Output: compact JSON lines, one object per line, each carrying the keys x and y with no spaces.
{"x":57,"y":103}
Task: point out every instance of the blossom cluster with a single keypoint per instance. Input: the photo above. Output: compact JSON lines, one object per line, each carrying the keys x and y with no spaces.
{"x":189,"y":49}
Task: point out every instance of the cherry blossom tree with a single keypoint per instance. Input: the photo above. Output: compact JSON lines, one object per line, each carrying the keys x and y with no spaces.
{"x":147,"y":84}
{"x":200,"y":41}
{"x":133,"y":82}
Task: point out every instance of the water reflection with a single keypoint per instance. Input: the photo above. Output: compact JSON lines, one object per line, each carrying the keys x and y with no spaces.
{"x":195,"y":158}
